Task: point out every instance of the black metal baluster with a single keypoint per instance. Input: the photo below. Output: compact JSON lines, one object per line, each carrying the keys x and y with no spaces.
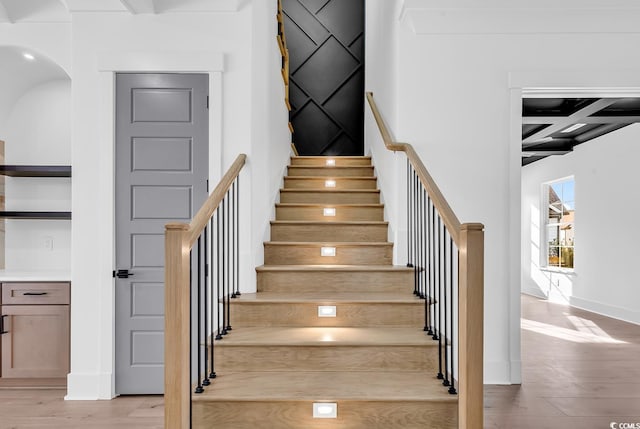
{"x":212,"y":374}
{"x":425,"y":255}
{"x":419,"y":265}
{"x":228,"y":259}
{"x":237,"y":201}
{"x":423,"y":251}
{"x":219,"y":275}
{"x":429,"y":298}
{"x":199,"y":388}
{"x":452,"y":389}
{"x":408,"y":214}
{"x":446,"y":312}
{"x":233,"y":238}
{"x":439,"y":327}
{"x":205,"y":321}
{"x":223,"y":266}
{"x":424,"y":245}
{"x":415,"y":233}
{"x":435,"y":274}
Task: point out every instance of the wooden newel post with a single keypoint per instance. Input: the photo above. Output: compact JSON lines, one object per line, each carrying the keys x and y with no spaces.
{"x":470,"y":403}
{"x":177,"y":377}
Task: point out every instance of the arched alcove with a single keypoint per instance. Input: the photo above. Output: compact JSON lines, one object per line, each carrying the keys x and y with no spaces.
{"x":35,"y":128}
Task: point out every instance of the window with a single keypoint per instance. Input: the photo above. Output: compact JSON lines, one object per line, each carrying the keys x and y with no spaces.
{"x":559,"y":199}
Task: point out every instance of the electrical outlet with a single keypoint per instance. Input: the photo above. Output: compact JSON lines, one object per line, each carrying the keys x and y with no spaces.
{"x":48,"y":243}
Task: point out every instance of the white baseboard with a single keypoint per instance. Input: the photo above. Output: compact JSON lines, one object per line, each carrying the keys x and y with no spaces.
{"x":89,"y":387}
{"x":537,"y":293}
{"x":620,"y":313}
{"x":497,"y":373}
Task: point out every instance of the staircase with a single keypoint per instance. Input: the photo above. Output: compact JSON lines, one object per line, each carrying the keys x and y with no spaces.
{"x":372,"y":359}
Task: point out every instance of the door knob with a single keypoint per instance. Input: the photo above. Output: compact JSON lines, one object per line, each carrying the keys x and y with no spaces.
{"x":123,"y":274}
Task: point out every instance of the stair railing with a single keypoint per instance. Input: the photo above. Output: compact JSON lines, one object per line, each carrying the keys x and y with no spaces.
{"x":201,"y":277}
{"x":448,"y":262}
{"x":284,"y":52}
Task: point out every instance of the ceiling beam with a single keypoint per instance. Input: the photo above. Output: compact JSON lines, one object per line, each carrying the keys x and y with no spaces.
{"x":564,"y":122}
{"x":5,"y":13}
{"x":528,"y":154}
{"x":139,"y":6}
{"x":539,"y":120}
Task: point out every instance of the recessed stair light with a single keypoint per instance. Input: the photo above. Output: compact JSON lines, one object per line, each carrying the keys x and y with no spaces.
{"x":329,"y":183}
{"x":327,"y":251}
{"x":331,"y":162}
{"x":327,"y":311}
{"x":325,"y":410}
{"x":329,"y":211}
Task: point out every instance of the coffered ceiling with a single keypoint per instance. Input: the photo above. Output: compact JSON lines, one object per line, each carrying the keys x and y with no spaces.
{"x":554,"y":126}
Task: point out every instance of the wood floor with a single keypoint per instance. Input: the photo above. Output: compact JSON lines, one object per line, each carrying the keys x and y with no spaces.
{"x":580,"y":370}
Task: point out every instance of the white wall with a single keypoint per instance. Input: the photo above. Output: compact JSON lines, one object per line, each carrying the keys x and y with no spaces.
{"x":249,"y":119}
{"x":607,"y":204}
{"x":38,"y":131}
{"x":381,"y":51}
{"x":269,"y":132}
{"x":457,"y":63}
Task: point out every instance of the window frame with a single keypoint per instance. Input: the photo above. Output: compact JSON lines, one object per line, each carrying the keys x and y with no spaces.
{"x":545,"y":224}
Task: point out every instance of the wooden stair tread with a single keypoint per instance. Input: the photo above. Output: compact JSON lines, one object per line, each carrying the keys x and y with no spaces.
{"x":327,"y":298}
{"x":331,"y":157}
{"x":333,"y":167}
{"x":325,"y":268}
{"x":334,"y":244}
{"x":332,"y":190}
{"x":339,"y":222}
{"x":327,"y":337}
{"x":326,"y":386}
{"x":322,"y":205}
{"x":335,"y":178}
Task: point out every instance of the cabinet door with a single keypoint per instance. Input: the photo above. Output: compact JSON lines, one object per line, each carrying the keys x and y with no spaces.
{"x":37,"y":341}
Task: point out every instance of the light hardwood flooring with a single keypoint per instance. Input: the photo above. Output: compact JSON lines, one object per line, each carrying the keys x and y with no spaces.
{"x":580,"y":370}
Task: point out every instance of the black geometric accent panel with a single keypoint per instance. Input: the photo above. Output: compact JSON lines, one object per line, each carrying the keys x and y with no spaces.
{"x":325,"y":39}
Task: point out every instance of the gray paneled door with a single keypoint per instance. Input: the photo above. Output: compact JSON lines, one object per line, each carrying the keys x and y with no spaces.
{"x":161,"y":176}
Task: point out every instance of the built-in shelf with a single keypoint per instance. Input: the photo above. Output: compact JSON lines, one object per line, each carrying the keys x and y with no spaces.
{"x":35,"y":215}
{"x":35,"y":170}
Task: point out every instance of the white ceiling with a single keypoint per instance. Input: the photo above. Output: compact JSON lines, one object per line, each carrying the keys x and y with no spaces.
{"x":16,"y":11}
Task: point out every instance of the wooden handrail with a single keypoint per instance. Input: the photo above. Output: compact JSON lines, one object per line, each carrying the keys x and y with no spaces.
{"x":448,"y":216}
{"x":469,"y":239}
{"x":201,"y":218}
{"x":284,"y":52}
{"x":179,"y":239}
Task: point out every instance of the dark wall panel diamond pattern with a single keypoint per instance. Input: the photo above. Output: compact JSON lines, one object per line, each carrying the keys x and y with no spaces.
{"x":326,"y":49}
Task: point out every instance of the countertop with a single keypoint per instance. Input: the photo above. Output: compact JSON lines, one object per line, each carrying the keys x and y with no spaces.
{"x":34,"y":276}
